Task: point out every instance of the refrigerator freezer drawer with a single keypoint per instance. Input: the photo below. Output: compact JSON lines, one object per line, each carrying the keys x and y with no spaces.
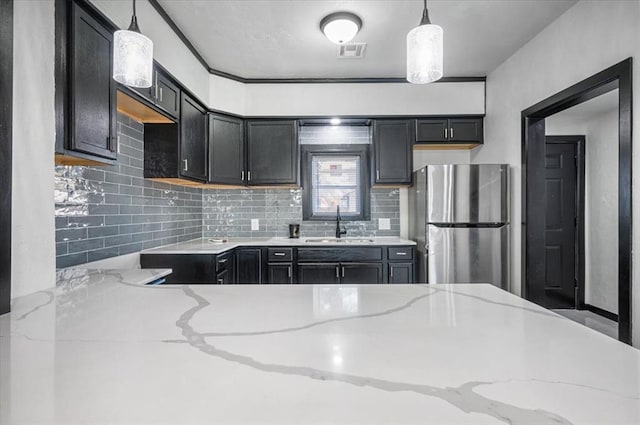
{"x":468,"y":255}
{"x":475,"y":193}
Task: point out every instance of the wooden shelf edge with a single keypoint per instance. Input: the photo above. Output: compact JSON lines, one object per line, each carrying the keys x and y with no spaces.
{"x":445,"y":146}
{"x":61,"y":159}
{"x":138,"y":111}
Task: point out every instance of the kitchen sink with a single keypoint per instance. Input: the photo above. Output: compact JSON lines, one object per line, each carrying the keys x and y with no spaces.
{"x":341,"y":240}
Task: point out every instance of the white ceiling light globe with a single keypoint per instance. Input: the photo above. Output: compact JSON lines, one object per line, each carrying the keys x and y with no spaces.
{"x":132,"y":59}
{"x":425,"y":54}
{"x":341,"y":27}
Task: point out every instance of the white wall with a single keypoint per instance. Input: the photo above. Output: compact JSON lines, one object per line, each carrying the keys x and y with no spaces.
{"x":168,"y":49}
{"x":364,"y":99}
{"x":586,"y":39}
{"x":33,"y":238}
{"x":601,"y":202}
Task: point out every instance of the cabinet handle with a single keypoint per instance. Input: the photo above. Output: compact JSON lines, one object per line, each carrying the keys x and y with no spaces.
{"x":223,"y":261}
{"x":445,"y":133}
{"x":242,"y":176}
{"x":391,"y":271}
{"x":155,"y":86}
{"x":338,"y":272}
{"x":160,"y":94}
{"x":279,"y":254}
{"x":220,"y":281}
{"x":249,"y":176}
{"x":401,"y":253}
{"x":451,"y":131}
{"x":342,"y":271}
{"x":186,"y":164}
{"x":289,"y":271}
{"x":377,"y":174}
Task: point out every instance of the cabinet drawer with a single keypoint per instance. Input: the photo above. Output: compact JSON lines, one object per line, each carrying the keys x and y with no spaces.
{"x":280,"y":254}
{"x":340,"y":254}
{"x":401,"y":253}
{"x":222,"y":261}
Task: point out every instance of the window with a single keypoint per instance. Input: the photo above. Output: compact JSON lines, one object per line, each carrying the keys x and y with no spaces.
{"x":332,"y":178}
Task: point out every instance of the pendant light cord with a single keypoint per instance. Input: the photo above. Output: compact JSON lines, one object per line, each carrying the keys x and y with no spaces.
{"x":134,"y":6}
{"x":425,"y":15}
{"x":134,"y":20}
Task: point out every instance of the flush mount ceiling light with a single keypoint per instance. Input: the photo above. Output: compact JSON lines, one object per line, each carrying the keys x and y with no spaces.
{"x":340,"y":27}
{"x":425,"y":51}
{"x":132,"y":56}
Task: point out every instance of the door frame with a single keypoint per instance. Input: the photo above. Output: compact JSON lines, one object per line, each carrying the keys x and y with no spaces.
{"x":6,"y":138}
{"x":579,"y":141}
{"x":533,"y":151}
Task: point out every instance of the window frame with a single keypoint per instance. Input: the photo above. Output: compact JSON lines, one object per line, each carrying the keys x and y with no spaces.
{"x":361,"y":151}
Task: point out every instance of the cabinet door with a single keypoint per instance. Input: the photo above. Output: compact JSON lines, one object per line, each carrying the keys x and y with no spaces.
{"x":432,"y":130}
{"x":193,"y":140}
{"x":360,"y":273}
{"x":400,"y":272}
{"x":466,"y":130}
{"x":187,"y":268}
{"x":272,"y":152}
{"x":249,"y":266}
{"x":224,"y":278}
{"x":226,"y":150}
{"x":167,"y":94}
{"x":393,"y":151}
{"x":280,"y":273}
{"x":93,"y":90}
{"x":319,"y":273}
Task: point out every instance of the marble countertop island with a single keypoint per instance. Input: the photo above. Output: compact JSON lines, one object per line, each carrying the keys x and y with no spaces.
{"x":101,"y":349}
{"x":205,"y":246}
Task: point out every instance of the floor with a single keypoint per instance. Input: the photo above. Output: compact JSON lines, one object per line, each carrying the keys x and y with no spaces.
{"x":592,"y":320}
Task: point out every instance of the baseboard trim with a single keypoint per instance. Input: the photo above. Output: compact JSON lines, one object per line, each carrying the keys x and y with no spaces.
{"x":601,"y":312}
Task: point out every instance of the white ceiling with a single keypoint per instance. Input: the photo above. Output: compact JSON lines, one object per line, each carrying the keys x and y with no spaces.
{"x":282,"y":39}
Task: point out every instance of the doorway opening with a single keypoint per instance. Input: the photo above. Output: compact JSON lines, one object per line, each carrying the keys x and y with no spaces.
{"x":577,"y":254}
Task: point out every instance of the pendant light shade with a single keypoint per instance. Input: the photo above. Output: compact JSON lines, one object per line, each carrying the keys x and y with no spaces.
{"x":425,"y":51}
{"x":132,"y":56}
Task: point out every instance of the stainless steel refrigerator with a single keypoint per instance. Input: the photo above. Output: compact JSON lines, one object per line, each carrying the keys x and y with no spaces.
{"x":459,"y":217}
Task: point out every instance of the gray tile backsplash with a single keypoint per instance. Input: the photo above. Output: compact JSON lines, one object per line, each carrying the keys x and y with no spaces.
{"x":229,"y":213}
{"x":104,"y":212}
{"x":107,"y":211}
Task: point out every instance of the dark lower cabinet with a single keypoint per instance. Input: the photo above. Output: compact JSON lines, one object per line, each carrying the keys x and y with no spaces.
{"x":400,"y":273}
{"x":360,"y":273}
{"x":224,"y":277}
{"x":187,"y":268}
{"x":249,"y":266}
{"x":280,"y":273}
{"x":193,"y":139}
{"x":92,"y":93}
{"x":319,"y":273}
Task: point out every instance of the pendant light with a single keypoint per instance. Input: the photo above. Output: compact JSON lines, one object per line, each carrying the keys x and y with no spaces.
{"x":424,"y":51}
{"x":132,"y":56}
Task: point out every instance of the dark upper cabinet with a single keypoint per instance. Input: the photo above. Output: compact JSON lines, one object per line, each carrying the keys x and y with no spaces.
{"x":193,"y":139}
{"x":280,"y":273}
{"x":401,"y":272}
{"x":465,"y":130}
{"x":166,"y":94}
{"x":248,"y":265}
{"x":272,"y":152}
{"x":360,"y":273}
{"x":92,"y":94}
{"x":450,"y":130}
{"x":393,"y":151}
{"x":319,"y":273}
{"x":432,"y":130}
{"x":226,"y":150}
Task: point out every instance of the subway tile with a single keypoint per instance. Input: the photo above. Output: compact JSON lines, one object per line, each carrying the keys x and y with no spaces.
{"x":100,"y":232}
{"x":101,"y":254}
{"x":85,"y":245}
{"x":71,"y":260}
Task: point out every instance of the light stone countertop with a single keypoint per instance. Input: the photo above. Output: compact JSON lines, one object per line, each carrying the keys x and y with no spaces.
{"x":101,"y":349}
{"x":204,"y":246}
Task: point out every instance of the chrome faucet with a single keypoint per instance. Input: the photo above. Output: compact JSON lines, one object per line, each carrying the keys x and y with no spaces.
{"x":339,"y":231}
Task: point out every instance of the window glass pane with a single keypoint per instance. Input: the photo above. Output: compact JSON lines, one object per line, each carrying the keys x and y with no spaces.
{"x":336,"y":181}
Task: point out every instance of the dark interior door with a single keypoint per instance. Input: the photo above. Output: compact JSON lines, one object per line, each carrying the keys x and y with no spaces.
{"x":6,"y":94}
{"x":560,"y":181}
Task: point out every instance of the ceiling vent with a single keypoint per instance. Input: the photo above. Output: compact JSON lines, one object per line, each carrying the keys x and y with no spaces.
{"x":351,"y":50}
